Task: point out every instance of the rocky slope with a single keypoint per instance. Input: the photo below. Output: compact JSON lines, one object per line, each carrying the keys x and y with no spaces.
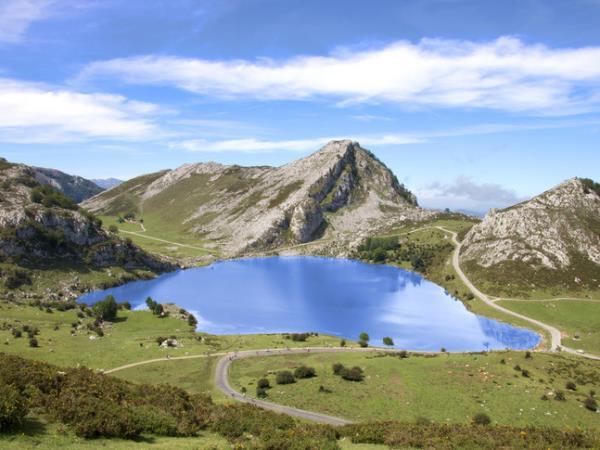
{"x":556,"y":232}
{"x":342,"y":189}
{"x":39,"y":226}
{"x":76,"y":188}
{"x":106,"y":183}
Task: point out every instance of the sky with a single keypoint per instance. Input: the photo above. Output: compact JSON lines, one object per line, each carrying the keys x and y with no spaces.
{"x":472,"y":103}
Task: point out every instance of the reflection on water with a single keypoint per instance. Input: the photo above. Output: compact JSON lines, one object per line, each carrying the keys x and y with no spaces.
{"x":334,"y":296}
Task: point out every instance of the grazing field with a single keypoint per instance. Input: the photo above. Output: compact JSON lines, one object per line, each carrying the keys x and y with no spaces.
{"x":512,"y":388}
{"x":131,"y":338}
{"x":579,"y":320}
{"x":151,"y":236}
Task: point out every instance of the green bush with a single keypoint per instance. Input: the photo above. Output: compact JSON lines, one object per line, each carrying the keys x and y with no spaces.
{"x":388,"y":341}
{"x":284,"y":377}
{"x":571,"y":386}
{"x":33,"y":342}
{"x":591,"y":404}
{"x":354,"y":374}
{"x":481,"y":419}
{"x":305,"y":372}
{"x":16,"y":278}
{"x":261,"y":392}
{"x":13,"y":407}
{"x":337,"y":367}
{"x":263,"y":383}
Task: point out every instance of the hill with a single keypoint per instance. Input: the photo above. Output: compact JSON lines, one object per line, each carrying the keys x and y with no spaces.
{"x":40,"y":228}
{"x":106,"y":183}
{"x":342,"y":189}
{"x":76,"y":188}
{"x":551,"y":241}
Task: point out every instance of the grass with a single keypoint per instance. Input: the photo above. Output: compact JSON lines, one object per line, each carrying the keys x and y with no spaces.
{"x":131,"y":338}
{"x":579,"y":319}
{"x":158,"y":230}
{"x":447,"y":388}
{"x":39,"y":434}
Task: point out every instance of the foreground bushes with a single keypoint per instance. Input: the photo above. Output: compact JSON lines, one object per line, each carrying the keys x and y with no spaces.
{"x":95,"y":405}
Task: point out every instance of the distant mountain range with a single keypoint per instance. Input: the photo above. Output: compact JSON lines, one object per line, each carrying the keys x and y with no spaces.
{"x":73,"y":186}
{"x":106,"y":183}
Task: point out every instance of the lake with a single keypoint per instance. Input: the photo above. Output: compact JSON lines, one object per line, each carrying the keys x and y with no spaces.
{"x":339,"y":297}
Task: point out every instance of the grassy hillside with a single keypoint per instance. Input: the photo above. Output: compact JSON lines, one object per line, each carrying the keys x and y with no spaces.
{"x":447,"y":388}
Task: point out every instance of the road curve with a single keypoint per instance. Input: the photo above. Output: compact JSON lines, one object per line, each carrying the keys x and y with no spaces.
{"x":554,"y":332}
{"x":556,"y":337}
{"x":222,"y":380}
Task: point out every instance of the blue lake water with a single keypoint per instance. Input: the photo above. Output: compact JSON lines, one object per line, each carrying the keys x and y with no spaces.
{"x":333,"y":296}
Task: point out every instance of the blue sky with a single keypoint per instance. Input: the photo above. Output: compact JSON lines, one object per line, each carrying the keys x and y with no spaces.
{"x":473,"y":104}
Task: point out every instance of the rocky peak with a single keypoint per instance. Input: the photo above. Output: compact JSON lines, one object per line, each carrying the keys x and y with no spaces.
{"x":549,"y":230}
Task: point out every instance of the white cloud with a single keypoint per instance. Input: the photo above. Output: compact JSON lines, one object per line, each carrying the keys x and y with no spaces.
{"x":17,"y":15}
{"x":504,"y":74}
{"x":465,"y":194}
{"x":33,"y":113}
{"x":296,"y":145}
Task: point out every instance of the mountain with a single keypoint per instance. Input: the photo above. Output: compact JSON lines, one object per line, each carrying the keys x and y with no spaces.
{"x":550,"y":240}
{"x":341,"y":189}
{"x":106,"y":183}
{"x":40,"y":226}
{"x":74,"y":187}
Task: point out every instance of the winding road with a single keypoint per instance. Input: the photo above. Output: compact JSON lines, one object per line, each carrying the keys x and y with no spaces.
{"x":555,"y":334}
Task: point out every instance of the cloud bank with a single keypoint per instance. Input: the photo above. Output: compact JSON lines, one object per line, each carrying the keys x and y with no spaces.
{"x":505,"y":74}
{"x":465,"y":194}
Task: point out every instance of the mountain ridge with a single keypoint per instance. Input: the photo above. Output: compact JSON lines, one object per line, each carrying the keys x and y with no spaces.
{"x":341,"y":187}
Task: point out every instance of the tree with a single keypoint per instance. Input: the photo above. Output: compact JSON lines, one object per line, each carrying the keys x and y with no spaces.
{"x":150,"y":303}
{"x":364,"y":336}
{"x":107,"y":308}
{"x":191,"y":320}
{"x":388,"y":341}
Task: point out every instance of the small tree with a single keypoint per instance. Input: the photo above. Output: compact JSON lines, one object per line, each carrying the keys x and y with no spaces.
{"x":388,"y":341}
{"x":364,"y":337}
{"x":107,"y":308}
{"x":481,"y":419}
{"x":342,"y":342}
{"x":150,"y":303}
{"x":285,"y":377}
{"x":191,"y":320}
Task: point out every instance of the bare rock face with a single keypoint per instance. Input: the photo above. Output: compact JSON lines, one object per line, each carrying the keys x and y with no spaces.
{"x":548,"y":231}
{"x":341,"y":188}
{"x":306,"y":220}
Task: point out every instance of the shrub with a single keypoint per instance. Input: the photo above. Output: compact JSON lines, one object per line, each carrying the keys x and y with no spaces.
{"x":337,"y":367}
{"x":363,"y":344}
{"x":107,"y":308}
{"x":261,"y":392}
{"x":13,"y":407}
{"x":191,"y":320}
{"x":571,"y":386}
{"x":560,"y":396}
{"x":33,"y":342}
{"x":300,"y":337}
{"x":285,"y":377}
{"x":125,"y":305}
{"x":354,"y":374}
{"x":402,"y":354}
{"x":591,"y":404}
{"x":388,"y":341}
{"x":481,"y":419}
{"x":16,"y":333}
{"x":16,"y":278}
{"x":528,"y":355}
{"x":263,"y":383}
{"x":342,"y":342}
{"x":305,"y":372}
